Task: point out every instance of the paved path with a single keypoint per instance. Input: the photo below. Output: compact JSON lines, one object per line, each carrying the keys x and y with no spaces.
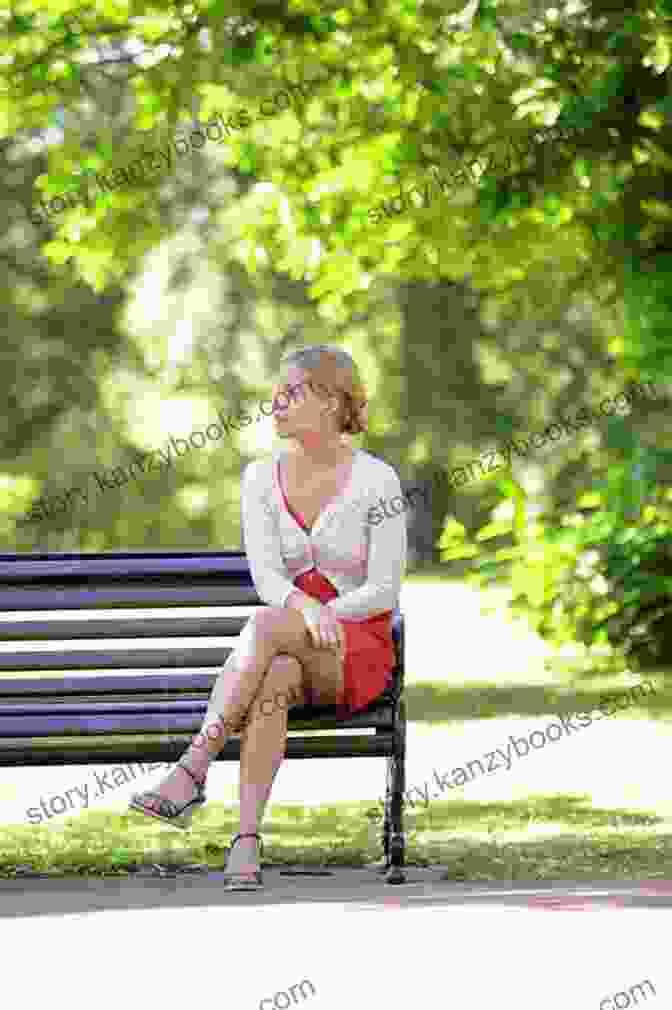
{"x":83,"y":942}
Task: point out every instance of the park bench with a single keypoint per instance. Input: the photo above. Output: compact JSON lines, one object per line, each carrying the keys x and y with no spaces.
{"x":134,"y":702}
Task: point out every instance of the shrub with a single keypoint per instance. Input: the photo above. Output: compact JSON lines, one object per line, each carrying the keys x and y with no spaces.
{"x":599,"y":573}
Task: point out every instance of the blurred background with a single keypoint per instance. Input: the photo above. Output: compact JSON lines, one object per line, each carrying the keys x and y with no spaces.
{"x":538,"y":285}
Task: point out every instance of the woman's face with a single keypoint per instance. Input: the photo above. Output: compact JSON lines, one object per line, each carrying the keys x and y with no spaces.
{"x":297,"y":410}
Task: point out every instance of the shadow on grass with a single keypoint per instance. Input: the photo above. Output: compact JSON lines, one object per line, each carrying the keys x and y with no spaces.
{"x":430,"y":701}
{"x":539,"y":838}
{"x":535,"y":838}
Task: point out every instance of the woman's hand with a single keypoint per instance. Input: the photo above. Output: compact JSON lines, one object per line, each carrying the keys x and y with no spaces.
{"x":323,"y":627}
{"x":331,"y":630}
{"x":311,"y":612}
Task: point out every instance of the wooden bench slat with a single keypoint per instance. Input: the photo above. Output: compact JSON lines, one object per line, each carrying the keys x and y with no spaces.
{"x":223,"y":564}
{"x":227,"y":566}
{"x":115,"y":659}
{"x":154,"y":683}
{"x":104,"y":751}
{"x":139,"y":627}
{"x":120,"y":721}
{"x":107,"y":706}
{"x":106,"y":596}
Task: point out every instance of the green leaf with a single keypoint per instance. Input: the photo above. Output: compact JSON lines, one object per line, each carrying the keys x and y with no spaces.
{"x":495,"y":529}
{"x":408,"y":151}
{"x":458,"y":553}
{"x":122,"y":857}
{"x":265,"y":48}
{"x":489,"y":567}
{"x":441,"y":120}
{"x":519,"y":40}
{"x":486,"y":16}
{"x":453,"y":530}
{"x":321,"y":24}
{"x":589,"y":500}
{"x":582,"y":167}
{"x":21,"y":23}
{"x":150,"y":102}
{"x":248,"y":159}
{"x":312,"y":215}
{"x":441,"y":86}
{"x":219,"y":9}
{"x":238,"y":55}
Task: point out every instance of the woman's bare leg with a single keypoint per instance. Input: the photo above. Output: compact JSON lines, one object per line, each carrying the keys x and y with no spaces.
{"x":178,"y":786}
{"x":271,"y":631}
{"x":316,"y":676}
{"x":262,"y":750}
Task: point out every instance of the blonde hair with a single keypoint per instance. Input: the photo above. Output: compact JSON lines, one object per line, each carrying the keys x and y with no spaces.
{"x":332,"y":372}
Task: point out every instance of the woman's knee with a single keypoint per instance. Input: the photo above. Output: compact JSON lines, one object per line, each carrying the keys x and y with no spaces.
{"x":274,"y":622}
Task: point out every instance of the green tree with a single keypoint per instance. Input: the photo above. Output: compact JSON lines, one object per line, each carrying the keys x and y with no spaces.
{"x":553,"y":260}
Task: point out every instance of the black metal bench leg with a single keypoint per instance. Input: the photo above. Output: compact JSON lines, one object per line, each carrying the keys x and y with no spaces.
{"x":393,"y":829}
{"x":387,"y":827}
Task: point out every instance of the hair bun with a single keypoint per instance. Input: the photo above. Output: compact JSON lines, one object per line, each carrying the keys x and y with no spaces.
{"x":362,"y":415}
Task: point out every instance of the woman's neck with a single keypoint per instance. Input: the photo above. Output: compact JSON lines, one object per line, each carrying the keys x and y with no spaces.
{"x":323,"y":454}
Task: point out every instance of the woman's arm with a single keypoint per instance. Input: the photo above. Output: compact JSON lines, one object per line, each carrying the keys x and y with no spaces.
{"x":261,"y":541}
{"x":387,"y":561}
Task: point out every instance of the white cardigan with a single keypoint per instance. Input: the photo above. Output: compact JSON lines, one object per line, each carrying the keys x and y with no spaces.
{"x":362,"y":557}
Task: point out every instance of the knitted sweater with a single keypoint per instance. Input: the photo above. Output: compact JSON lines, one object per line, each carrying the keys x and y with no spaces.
{"x":364,"y":560}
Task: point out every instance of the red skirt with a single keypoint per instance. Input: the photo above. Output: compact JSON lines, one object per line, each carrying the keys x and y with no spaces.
{"x":370,"y":656}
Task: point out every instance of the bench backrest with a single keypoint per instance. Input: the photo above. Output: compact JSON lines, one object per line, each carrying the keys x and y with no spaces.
{"x":130,"y":583}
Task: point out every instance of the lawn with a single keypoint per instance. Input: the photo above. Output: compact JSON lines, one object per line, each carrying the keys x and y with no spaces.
{"x":536,"y":838}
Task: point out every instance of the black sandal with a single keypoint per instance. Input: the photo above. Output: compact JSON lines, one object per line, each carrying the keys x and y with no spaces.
{"x":245,"y":881}
{"x":169,"y":812}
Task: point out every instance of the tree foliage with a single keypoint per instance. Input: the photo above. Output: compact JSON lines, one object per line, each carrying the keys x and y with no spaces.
{"x":547,"y":256}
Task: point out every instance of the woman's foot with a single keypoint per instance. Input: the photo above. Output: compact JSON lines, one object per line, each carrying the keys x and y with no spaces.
{"x":243,"y":863}
{"x":179,"y":787}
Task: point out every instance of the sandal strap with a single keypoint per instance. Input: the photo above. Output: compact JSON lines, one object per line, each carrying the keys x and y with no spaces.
{"x":166,"y":807}
{"x":187,"y":769}
{"x":249,"y":834}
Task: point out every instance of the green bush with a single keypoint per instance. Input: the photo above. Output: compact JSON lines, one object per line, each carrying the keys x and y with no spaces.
{"x":600,"y":573}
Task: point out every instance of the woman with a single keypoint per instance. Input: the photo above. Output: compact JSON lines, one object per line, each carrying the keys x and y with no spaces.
{"x":331,"y":577}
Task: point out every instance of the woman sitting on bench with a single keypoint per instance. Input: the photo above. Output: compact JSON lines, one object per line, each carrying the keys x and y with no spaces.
{"x":329,"y":562}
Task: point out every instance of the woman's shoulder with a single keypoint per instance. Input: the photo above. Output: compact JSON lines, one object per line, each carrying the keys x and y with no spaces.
{"x":378,"y":468}
{"x":259,"y":472}
{"x":378,"y":473}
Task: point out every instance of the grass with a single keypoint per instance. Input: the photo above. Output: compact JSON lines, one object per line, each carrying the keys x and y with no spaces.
{"x":536,"y":838}
{"x":432,"y":702}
